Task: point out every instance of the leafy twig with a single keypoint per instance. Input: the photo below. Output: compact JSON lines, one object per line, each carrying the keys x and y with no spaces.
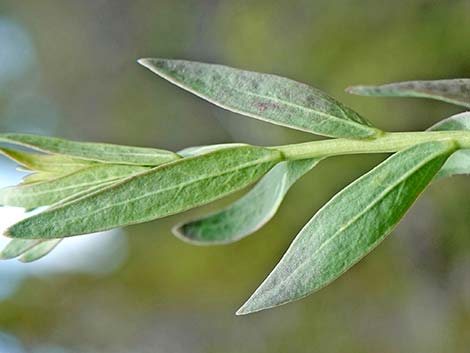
{"x":90,"y":187}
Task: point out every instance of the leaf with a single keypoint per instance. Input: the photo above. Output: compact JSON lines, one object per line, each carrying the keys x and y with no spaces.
{"x":29,"y":249}
{"x":350,"y":225}
{"x":266,"y":97}
{"x":249,"y":213}
{"x":100,"y":152}
{"x":162,"y":191}
{"x":34,"y":195}
{"x":16,"y":247}
{"x":46,"y":163}
{"x":39,"y":177}
{"x":199,"y":150}
{"x":455,"y":91}
{"x":34,"y":249}
{"x":40,"y":250}
{"x":459,"y":162}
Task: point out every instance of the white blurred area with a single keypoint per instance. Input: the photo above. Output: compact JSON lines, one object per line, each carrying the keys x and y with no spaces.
{"x":27,"y":110}
{"x":98,"y":253}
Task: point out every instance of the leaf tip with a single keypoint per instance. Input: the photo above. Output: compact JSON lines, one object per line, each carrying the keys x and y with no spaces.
{"x":250,"y":307}
{"x":354,"y":89}
{"x":178,"y":231}
{"x":11,"y":232}
{"x":5,"y":256}
{"x":161,"y":67}
{"x":28,"y":259}
{"x":144,"y":62}
{"x":242,"y":311}
{"x":154,"y":64}
{"x":7,"y":233}
{"x":181,"y":232}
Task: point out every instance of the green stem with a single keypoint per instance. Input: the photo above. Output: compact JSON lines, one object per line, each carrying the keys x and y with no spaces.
{"x":385,"y":143}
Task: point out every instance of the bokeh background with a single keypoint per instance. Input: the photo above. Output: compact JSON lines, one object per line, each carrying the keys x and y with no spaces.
{"x":68,"y":68}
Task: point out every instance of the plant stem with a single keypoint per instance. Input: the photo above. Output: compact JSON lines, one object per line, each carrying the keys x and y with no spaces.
{"x":386,"y":143}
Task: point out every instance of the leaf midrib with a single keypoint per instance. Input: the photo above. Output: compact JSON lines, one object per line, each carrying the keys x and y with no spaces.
{"x":185,"y":86}
{"x":179,"y":186}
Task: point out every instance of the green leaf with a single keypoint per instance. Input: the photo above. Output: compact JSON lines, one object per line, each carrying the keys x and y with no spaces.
{"x":38,"y":194}
{"x":199,"y":150}
{"x":40,"y":250}
{"x":459,"y":162}
{"x":16,"y":247}
{"x":46,"y":163}
{"x":34,"y":249}
{"x":29,"y":249}
{"x":162,"y":191}
{"x":39,"y":177}
{"x":350,"y":225}
{"x":249,"y":213}
{"x":100,"y":152}
{"x":455,"y":91}
{"x":266,"y":97}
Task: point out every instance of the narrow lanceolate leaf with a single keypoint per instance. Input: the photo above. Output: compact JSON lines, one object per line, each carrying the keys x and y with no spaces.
{"x":16,"y":247}
{"x":40,"y":250}
{"x":249,"y":213}
{"x":350,"y":225}
{"x":34,"y":195}
{"x":34,"y":249}
{"x":162,"y":191}
{"x":459,"y":162}
{"x":101,"y":152}
{"x":29,"y":249}
{"x":266,"y":97}
{"x":455,"y":91}
{"x":46,"y":163}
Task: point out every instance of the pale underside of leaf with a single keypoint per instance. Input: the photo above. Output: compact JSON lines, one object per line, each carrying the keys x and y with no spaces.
{"x":45,"y":193}
{"x":266,"y":97}
{"x":40,"y":250}
{"x":249,"y":213}
{"x":200,"y":150}
{"x":28,"y":249}
{"x":46,"y":163}
{"x":459,"y":162}
{"x":100,"y":152}
{"x":456,"y":91}
{"x":39,"y":177}
{"x":16,"y":247}
{"x":34,"y":249}
{"x":159,"y":192}
{"x":350,"y":225}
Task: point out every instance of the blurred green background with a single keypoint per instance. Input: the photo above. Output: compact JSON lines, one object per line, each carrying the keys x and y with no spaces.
{"x":68,"y":68}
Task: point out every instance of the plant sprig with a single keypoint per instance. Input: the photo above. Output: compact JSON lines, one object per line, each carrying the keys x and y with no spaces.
{"x":91,"y":187}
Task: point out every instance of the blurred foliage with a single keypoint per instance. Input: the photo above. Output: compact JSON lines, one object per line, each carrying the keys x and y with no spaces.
{"x":411,"y":295}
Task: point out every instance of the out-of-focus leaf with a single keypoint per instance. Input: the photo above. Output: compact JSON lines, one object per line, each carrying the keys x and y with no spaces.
{"x":266,"y":97}
{"x":459,"y":162}
{"x":34,"y":249}
{"x":38,"y":194}
{"x":29,"y":249}
{"x":46,"y":163}
{"x":350,"y":225}
{"x":16,"y":247}
{"x":101,"y":152}
{"x":40,"y":250}
{"x":249,"y":213}
{"x":162,"y":191}
{"x":455,"y":91}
